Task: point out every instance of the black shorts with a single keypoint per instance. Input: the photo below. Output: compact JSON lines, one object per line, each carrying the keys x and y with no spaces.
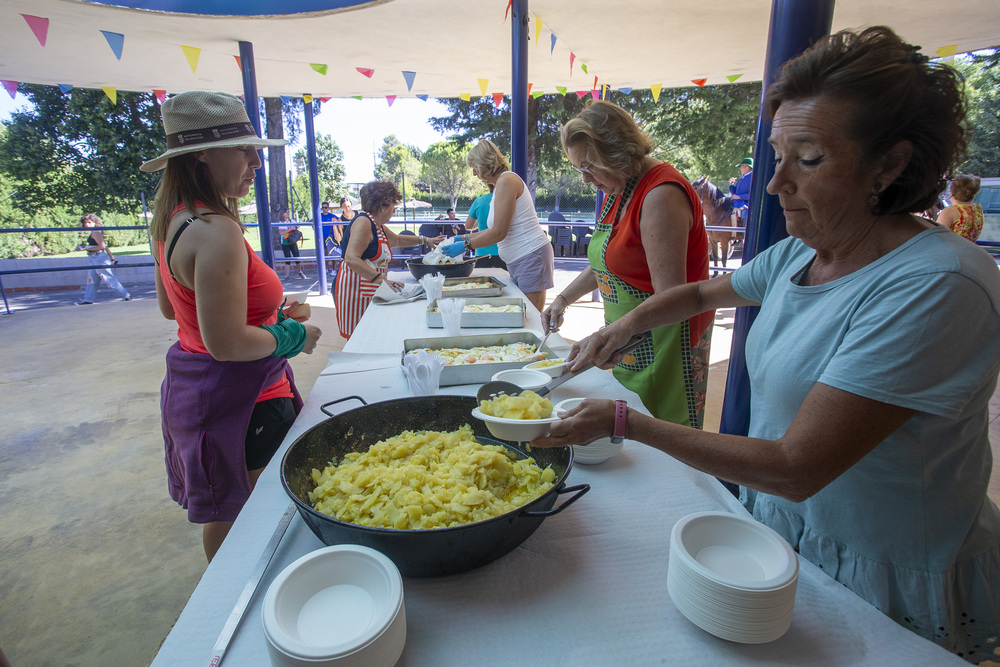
{"x":290,"y":249}
{"x":269,"y":424}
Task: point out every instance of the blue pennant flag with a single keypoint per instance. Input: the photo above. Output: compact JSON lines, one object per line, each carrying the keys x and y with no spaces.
{"x":65,"y":88}
{"x":116,"y":41}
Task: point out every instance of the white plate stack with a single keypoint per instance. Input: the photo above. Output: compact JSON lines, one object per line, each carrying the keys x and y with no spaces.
{"x":732,"y":576}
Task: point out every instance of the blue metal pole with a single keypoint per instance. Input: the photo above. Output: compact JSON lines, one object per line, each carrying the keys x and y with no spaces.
{"x":314,"y":196}
{"x":795,"y":25}
{"x":260,"y":179}
{"x":519,"y":93}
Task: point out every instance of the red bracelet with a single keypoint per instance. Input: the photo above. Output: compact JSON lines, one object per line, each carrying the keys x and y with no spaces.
{"x":621,"y":421}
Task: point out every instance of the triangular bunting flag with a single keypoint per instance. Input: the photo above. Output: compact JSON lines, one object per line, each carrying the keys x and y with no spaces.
{"x":422,"y":97}
{"x":507,"y":11}
{"x":583,"y":66}
{"x":596,"y":94}
{"x":409,"y":77}
{"x":561,"y":89}
{"x":239,"y":63}
{"x":390,"y":99}
{"x":497,"y":99}
{"x":465,"y":97}
{"x":65,"y":88}
{"x":111,"y":92}
{"x":367,"y":71}
{"x":537,"y":94}
{"x":943,"y":51}
{"x":626,"y":90}
{"x":192,"y":53}
{"x":553,"y":47}
{"x":307,"y":99}
{"x":732,"y":77}
{"x":529,"y":87}
{"x":699,"y":82}
{"x":319,"y":68}
{"x":482,"y":86}
{"x":39,"y":26}
{"x":357,"y":97}
{"x":11,"y":87}
{"x":285,"y":98}
{"x":325,"y":99}
{"x":582,"y":93}
{"x":655,"y":89}
{"x":160,"y":95}
{"x":538,"y":30}
{"x":572,"y":57}
{"x":116,"y":41}
{"x":595,"y":81}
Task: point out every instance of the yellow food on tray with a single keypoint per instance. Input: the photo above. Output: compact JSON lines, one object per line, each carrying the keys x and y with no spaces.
{"x":548,"y":363}
{"x":526,"y":405}
{"x":487,"y":308}
{"x":427,"y":479}
{"x":468,"y":284}
{"x":490,"y":354}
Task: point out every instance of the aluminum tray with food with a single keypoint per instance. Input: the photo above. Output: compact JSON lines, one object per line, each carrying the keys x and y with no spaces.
{"x":474,"y":286}
{"x":483,"y":313}
{"x":482,"y":370}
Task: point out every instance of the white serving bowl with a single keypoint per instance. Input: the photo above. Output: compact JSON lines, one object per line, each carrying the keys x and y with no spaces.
{"x":553,"y":371}
{"x":298,"y":296}
{"x":599,"y":450}
{"x":516,"y":430}
{"x":524,"y":378}
{"x":340,"y":605}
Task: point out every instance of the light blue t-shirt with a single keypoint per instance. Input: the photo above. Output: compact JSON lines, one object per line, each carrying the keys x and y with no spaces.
{"x":480,"y":211}
{"x":909,"y":527}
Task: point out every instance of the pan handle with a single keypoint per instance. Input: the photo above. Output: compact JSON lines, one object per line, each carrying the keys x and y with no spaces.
{"x":579,"y":488}
{"x":341,"y":400}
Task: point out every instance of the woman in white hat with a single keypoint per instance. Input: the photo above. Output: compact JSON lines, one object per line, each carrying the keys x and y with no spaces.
{"x":229,"y":396}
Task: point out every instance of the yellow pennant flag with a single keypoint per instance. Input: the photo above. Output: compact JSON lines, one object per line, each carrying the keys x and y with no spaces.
{"x":655,"y":88}
{"x":307,"y":98}
{"x":111,"y":92}
{"x":482,"y":85}
{"x":538,"y":30}
{"x":945,"y":51}
{"x":192,"y":53}
{"x":465,"y":97}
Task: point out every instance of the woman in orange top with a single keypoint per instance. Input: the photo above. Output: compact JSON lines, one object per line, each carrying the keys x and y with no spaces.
{"x":229,"y":396}
{"x":963,"y":217}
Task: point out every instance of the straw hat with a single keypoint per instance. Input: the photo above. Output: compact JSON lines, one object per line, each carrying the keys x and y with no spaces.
{"x":199,"y":120}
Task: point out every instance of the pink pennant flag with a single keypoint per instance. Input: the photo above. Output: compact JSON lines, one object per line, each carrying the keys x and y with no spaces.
{"x":572,"y":57}
{"x":390,"y":99}
{"x":582,"y":93}
{"x":11,"y":87}
{"x":161,"y":95}
{"x":596,"y":94}
{"x":497,"y":99}
{"x":39,"y":26}
{"x":699,"y":82}
{"x":367,"y":71}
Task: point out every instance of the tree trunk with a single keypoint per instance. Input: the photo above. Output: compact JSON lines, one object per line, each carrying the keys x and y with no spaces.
{"x":277,"y":174}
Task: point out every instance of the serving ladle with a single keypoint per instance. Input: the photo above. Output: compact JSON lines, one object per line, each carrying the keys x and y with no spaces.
{"x":497,"y":387}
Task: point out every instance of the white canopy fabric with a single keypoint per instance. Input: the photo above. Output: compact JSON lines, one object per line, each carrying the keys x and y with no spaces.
{"x":439,"y":48}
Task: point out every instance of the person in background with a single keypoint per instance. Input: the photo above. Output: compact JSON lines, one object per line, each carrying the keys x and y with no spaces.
{"x":100,"y":257}
{"x":290,"y":237}
{"x":229,"y":397}
{"x":346,"y":214}
{"x":512,"y":225}
{"x":331,"y":233}
{"x":963,"y":217}
{"x":739,"y":188}
{"x":453,"y":229}
{"x":874,"y":355}
{"x":487,"y":256}
{"x":650,"y":237}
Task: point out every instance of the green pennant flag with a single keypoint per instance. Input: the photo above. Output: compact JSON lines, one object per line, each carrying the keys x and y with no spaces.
{"x":561,"y":89}
{"x":319,"y":68}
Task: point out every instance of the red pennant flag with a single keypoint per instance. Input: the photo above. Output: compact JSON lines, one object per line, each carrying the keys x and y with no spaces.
{"x":572,"y":57}
{"x":509,"y":3}
{"x":595,"y":82}
{"x":325,"y":99}
{"x":367,"y":71}
{"x":497,"y":99}
{"x":39,"y":26}
{"x":239,"y":63}
{"x":161,"y":95}
{"x":699,"y":82}
{"x":529,"y":88}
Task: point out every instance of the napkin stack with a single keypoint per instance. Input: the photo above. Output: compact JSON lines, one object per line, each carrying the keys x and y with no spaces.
{"x":451,"y":315}
{"x":423,"y":372}
{"x":385,"y":296}
{"x":433,"y":284}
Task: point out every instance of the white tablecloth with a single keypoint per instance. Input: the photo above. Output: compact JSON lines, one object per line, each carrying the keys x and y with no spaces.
{"x":587,"y":588}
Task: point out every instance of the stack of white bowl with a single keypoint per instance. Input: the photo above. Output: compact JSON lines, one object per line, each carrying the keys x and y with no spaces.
{"x":732,"y":576}
{"x":340,"y":606}
{"x":599,"y":450}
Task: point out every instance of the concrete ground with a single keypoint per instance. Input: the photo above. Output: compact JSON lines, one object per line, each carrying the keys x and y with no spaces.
{"x":98,"y":561}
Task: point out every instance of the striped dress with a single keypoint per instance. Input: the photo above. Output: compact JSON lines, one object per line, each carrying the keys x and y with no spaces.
{"x":352,"y":293}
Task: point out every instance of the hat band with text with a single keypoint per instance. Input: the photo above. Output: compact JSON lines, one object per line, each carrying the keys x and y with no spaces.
{"x":210,"y":135}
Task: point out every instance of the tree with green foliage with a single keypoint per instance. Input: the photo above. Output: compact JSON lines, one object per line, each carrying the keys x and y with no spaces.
{"x":444,"y":169}
{"x":982,"y":88}
{"x":330,"y":173}
{"x":79,"y":149}
{"x":399,"y":163}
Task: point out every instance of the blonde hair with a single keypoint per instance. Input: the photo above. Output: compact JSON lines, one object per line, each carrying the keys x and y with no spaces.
{"x":615,"y":142}
{"x":488,"y":158}
{"x":187,"y":182}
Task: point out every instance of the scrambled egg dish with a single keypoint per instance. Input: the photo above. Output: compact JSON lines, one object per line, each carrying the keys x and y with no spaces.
{"x":486,"y":308}
{"x":467,"y":285}
{"x":548,"y":363}
{"x":427,"y":479}
{"x":456,"y":356}
{"x":526,"y":405}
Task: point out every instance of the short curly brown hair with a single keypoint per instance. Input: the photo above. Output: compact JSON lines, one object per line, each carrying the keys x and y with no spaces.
{"x":376,"y":194}
{"x":893,"y":94}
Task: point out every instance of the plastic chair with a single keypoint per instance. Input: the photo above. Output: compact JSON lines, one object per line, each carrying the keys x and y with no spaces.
{"x":582,"y":234}
{"x":562,"y":237}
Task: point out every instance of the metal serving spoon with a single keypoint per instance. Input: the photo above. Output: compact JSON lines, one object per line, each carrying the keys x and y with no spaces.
{"x":491,"y":389}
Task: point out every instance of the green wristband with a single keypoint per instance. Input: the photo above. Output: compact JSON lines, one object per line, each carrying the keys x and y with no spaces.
{"x":289,"y":335}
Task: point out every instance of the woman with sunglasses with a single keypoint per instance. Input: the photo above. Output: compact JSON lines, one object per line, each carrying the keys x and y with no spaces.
{"x":650,"y":237}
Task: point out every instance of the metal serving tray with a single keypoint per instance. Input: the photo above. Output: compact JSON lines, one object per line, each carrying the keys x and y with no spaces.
{"x":475,"y":373}
{"x":482,"y":320}
{"x":490,"y":287}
